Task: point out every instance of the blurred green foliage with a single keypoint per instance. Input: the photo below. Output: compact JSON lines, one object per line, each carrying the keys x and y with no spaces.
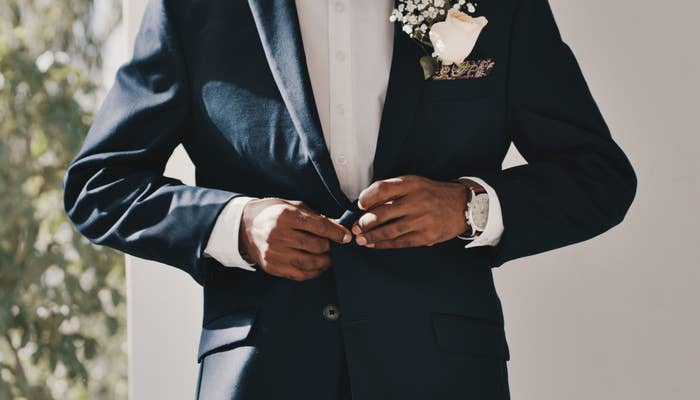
{"x":62,"y":309}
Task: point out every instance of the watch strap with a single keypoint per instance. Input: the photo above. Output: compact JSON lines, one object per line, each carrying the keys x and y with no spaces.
{"x":472,"y":192}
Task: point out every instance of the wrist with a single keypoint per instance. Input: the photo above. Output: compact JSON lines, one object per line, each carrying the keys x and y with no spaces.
{"x":468,"y":183}
{"x":473,"y":190}
{"x":245,"y":245}
{"x":463,"y":199}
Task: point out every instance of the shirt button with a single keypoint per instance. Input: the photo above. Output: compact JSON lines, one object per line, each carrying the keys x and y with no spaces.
{"x":339,"y":7}
{"x":331,"y":312}
{"x":341,"y":159}
{"x":340,"y":108}
{"x":340,"y":56}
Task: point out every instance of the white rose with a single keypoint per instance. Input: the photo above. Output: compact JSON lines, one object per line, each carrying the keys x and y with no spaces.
{"x":454,"y":38}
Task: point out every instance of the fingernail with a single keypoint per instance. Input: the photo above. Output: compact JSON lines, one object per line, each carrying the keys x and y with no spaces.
{"x":361,"y":240}
{"x":356,"y":230}
{"x":347,"y":238}
{"x":370,"y":245}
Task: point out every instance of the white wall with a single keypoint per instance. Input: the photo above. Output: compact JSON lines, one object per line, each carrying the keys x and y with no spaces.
{"x":613,"y":318}
{"x":617,"y":317}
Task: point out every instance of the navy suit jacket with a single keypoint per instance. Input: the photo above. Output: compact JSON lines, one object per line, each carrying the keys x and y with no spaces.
{"x":228,"y":80}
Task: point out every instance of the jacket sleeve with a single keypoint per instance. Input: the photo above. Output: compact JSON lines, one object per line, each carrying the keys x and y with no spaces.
{"x":114,"y":190}
{"x":577,"y":182}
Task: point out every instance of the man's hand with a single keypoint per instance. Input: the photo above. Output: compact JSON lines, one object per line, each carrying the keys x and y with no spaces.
{"x":288,"y":239}
{"x":410,"y":211}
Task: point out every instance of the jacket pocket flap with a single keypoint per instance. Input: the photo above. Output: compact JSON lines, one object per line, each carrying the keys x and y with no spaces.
{"x":464,"y":334}
{"x":225,"y":331}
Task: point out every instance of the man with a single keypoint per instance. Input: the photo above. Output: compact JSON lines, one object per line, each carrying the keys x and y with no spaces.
{"x":350,"y":202}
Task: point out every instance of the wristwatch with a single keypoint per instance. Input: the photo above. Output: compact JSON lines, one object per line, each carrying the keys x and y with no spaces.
{"x":476,"y":213}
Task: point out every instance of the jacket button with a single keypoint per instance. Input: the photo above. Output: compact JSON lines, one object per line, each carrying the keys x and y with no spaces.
{"x":331,"y":312}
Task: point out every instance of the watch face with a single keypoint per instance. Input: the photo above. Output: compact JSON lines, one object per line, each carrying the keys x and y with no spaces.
{"x":479,"y":211}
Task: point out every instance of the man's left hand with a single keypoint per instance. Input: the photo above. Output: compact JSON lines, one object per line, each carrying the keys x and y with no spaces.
{"x":410,"y":211}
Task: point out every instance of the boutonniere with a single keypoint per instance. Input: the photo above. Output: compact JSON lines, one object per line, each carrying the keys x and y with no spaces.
{"x":447,"y":33}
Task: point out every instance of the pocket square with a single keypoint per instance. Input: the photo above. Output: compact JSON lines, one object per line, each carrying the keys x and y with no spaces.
{"x":468,"y":69}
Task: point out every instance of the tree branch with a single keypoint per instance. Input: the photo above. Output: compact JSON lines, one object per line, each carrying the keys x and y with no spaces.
{"x":19,"y":369}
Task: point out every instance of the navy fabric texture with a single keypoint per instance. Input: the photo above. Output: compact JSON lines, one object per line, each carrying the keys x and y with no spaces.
{"x":227,"y":80}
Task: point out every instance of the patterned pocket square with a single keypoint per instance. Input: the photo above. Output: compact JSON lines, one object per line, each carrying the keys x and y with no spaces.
{"x":468,"y":69}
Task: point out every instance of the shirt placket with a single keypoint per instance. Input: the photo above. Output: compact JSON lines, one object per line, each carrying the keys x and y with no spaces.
{"x":340,"y":88}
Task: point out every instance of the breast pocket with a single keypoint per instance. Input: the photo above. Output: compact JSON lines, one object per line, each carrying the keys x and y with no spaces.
{"x":461,"y":89}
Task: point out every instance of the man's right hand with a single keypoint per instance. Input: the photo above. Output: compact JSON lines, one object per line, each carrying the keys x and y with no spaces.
{"x":288,"y":239}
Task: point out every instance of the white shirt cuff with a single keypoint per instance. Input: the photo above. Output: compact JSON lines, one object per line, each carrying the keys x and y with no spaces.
{"x":223,"y":240}
{"x":494,"y":224}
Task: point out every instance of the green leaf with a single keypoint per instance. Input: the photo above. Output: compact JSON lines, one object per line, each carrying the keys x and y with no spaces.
{"x":90,"y":349}
{"x":112,"y":324}
{"x":428,"y":65}
{"x":39,"y":144}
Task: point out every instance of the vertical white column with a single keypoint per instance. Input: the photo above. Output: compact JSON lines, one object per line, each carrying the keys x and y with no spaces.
{"x":164,"y":304}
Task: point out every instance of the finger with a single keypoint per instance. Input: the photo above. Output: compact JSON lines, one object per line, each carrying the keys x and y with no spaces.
{"x":380,"y":215}
{"x":388,"y":231}
{"x":412,"y":239}
{"x":382,"y":191}
{"x":307,"y":242}
{"x":300,"y":204}
{"x":322,"y":227}
{"x":305,"y":207}
{"x":290,"y":272}
{"x":307,"y":261}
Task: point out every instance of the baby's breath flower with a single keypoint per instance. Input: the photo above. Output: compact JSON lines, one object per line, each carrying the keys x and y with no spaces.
{"x":417,"y":16}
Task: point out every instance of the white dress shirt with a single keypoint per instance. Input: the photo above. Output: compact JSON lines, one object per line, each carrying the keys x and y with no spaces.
{"x":348,"y":47}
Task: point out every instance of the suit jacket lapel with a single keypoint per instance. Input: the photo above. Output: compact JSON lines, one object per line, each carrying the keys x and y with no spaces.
{"x":278,"y":27}
{"x":400,"y":106}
